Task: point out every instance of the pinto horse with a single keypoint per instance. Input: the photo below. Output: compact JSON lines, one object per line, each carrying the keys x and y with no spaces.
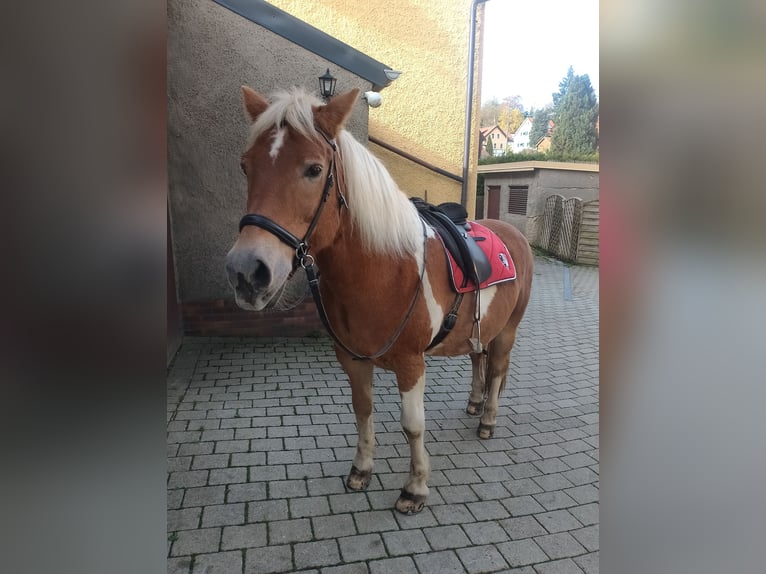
{"x":318,"y":198}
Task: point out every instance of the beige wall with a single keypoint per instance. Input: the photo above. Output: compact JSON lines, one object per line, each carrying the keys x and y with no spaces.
{"x":423,"y":111}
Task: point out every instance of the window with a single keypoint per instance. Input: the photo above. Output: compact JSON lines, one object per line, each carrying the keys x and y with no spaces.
{"x":517,"y":199}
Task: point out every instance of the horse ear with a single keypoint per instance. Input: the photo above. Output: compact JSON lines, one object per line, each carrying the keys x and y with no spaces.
{"x":330,"y":118}
{"x":255,"y":104}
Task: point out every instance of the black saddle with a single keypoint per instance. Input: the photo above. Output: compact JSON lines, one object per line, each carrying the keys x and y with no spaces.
{"x":449,"y":220}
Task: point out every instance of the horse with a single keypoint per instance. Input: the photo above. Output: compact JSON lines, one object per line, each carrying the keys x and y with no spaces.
{"x":316,"y":197}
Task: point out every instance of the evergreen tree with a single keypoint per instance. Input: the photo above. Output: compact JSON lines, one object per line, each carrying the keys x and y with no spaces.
{"x":489,"y":147}
{"x":575,"y":114}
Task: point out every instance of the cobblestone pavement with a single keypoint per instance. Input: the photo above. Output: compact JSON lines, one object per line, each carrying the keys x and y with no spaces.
{"x":261,"y":436}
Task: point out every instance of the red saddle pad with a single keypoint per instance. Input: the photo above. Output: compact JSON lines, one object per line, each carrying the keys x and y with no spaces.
{"x":500,"y":260}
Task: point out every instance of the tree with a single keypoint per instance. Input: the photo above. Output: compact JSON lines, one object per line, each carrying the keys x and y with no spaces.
{"x":489,"y":147}
{"x":489,"y":112}
{"x":575,"y":115}
{"x":540,"y":124}
{"x":507,"y":114}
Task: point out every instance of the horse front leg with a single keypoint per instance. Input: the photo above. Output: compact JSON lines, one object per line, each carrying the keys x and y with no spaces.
{"x":412,"y":383}
{"x":360,"y":377}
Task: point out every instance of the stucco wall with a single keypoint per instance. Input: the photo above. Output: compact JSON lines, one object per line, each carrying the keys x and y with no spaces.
{"x":211,"y":53}
{"x":423,"y":111}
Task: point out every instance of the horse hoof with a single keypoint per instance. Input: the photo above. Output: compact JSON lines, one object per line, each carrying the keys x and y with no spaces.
{"x":485,"y":431}
{"x":358,"y":479}
{"x":409,"y":503}
{"x":474,"y":408}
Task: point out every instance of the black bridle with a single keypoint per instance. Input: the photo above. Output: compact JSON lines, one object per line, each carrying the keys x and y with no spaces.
{"x":306,"y":261}
{"x":301,"y":246}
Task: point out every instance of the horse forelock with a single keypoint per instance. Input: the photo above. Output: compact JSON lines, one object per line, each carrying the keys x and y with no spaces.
{"x":288,"y":108}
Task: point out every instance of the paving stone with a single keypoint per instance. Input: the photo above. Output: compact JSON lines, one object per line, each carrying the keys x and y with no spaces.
{"x":224,"y":514}
{"x":422,"y":519}
{"x":351,"y":502}
{"x":337,"y":526}
{"x":588,"y":537}
{"x":454,"y":494}
{"x":268,"y":560}
{"x":187,"y":479}
{"x":174,"y":499}
{"x":489,"y":532}
{"x":581,"y":476}
{"x":558,"y":521}
{"x":315,"y":506}
{"x":314,"y":554}
{"x":452,"y":514}
{"x":287,"y":489}
{"x":583,"y":494}
{"x":179,"y":565}
{"x":267,"y":510}
{"x":375,"y":521}
{"x":490,"y":491}
{"x":443,"y":537}
{"x":355,"y":568}
{"x":522,"y":527}
{"x":246,"y":492}
{"x":487,"y":510}
{"x":560,"y":545}
{"x":587,"y":513}
{"x":555,"y":500}
{"x":555,"y":481}
{"x":478,"y":559}
{"x":362,"y":547}
{"x":218,"y":563}
{"x":287,"y":531}
{"x":566,"y":566}
{"x":442,"y":562}
{"x":405,"y":542}
{"x":248,"y":459}
{"x":204,"y":495}
{"x":403,"y":565}
{"x":320,"y":486}
{"x":522,"y":552}
{"x":247,"y":536}
{"x":184,"y":519}
{"x":227,"y":476}
{"x":588,"y":562}
{"x":196,"y":541}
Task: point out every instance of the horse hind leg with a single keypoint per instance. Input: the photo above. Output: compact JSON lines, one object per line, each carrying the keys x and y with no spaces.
{"x":498,"y":358}
{"x":476,"y":398}
{"x":360,"y":377}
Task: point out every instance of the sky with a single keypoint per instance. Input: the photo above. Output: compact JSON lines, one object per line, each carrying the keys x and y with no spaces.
{"x":530,"y":44}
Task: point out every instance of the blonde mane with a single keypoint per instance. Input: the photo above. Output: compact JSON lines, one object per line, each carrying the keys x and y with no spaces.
{"x":385,"y":219}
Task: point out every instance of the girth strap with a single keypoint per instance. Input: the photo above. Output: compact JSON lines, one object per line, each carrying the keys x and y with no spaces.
{"x":449,"y":322}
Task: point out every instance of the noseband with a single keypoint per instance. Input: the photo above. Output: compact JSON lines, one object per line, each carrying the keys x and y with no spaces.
{"x":306,"y":261}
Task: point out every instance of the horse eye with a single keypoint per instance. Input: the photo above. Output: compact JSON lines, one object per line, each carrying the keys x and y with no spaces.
{"x":314,"y":170}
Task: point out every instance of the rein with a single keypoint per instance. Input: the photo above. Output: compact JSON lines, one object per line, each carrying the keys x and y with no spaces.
{"x":306,"y":261}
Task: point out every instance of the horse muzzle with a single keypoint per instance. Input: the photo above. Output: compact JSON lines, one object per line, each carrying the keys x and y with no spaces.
{"x":255,"y":280}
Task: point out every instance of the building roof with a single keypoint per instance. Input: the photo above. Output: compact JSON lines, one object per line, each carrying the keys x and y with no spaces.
{"x":500,"y":168}
{"x":313,"y":40}
{"x":490,"y":129}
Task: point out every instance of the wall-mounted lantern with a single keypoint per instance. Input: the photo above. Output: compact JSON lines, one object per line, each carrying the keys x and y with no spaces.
{"x":327,"y":85}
